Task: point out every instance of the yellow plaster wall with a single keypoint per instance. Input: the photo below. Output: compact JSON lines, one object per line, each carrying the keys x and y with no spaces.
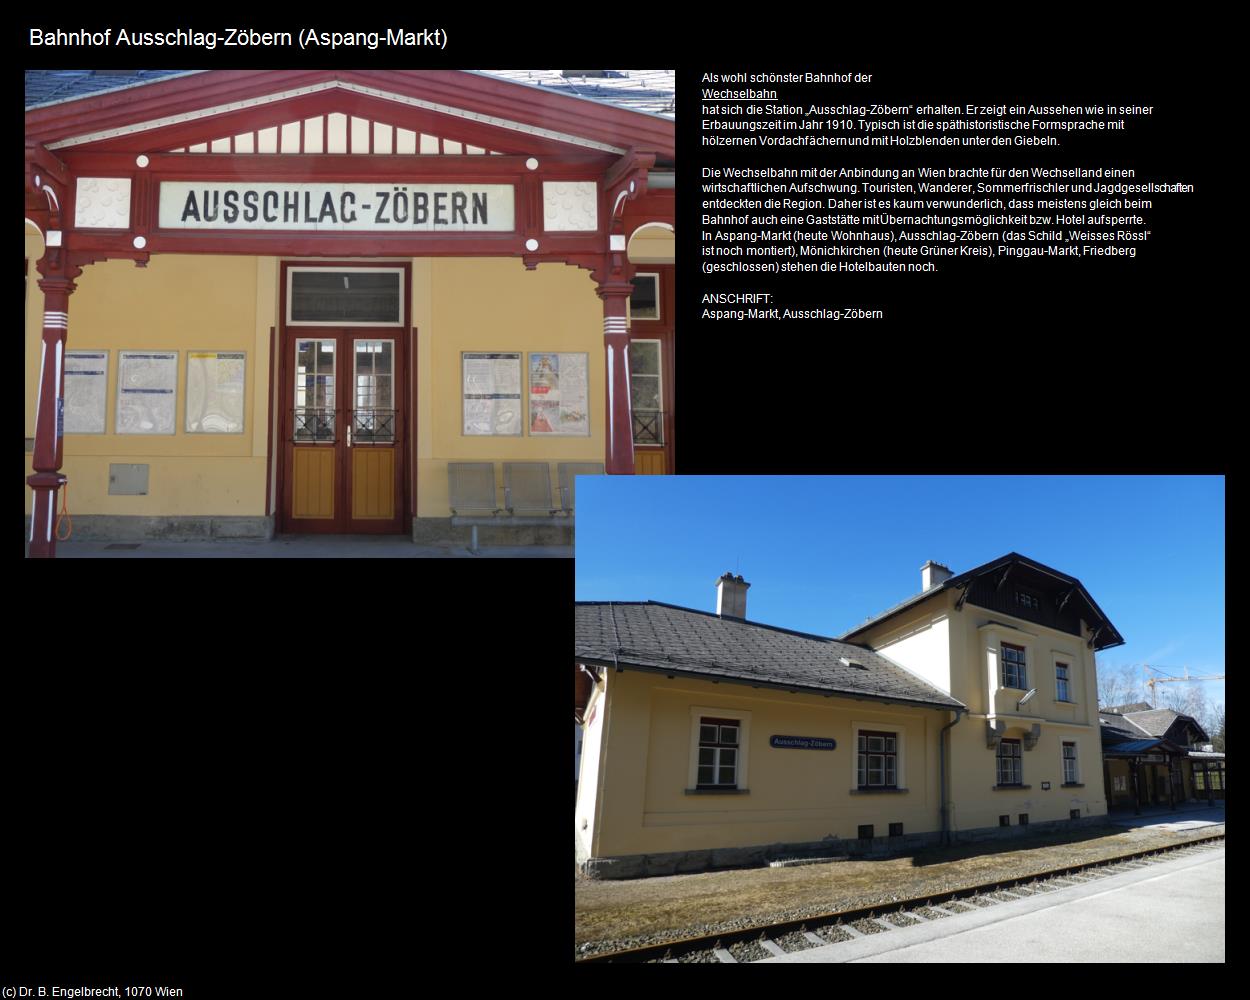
{"x":973,"y":653}
{"x":189,"y":302}
{"x":495,"y":304}
{"x":794,"y":795}
{"x":182,"y":303}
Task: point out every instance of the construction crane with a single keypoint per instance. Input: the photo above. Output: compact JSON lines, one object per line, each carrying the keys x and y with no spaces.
{"x":1168,"y":679}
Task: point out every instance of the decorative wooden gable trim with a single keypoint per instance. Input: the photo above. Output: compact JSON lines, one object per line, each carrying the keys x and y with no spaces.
{"x":363,"y":112}
{"x":335,"y":133}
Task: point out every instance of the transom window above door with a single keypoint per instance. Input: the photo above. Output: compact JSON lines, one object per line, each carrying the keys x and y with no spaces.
{"x":358,"y":296}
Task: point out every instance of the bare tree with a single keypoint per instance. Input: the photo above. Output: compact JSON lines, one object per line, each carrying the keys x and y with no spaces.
{"x":1218,"y":736}
{"x":1121,"y":685}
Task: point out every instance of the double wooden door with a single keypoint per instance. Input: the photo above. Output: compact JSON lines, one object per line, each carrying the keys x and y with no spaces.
{"x":344,"y":395}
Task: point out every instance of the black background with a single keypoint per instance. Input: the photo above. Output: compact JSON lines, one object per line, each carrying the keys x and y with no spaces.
{"x":248,"y":779}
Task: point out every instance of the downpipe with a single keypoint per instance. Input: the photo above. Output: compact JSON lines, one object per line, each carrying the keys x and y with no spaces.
{"x":946,"y":833}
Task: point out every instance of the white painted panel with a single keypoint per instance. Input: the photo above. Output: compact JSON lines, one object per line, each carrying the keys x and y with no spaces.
{"x":267,"y":140}
{"x":360,"y":135}
{"x":474,"y":150}
{"x":445,"y":208}
{"x":243,"y":143}
{"x":405,"y":141}
{"x":312,"y":135}
{"x":451,"y":147}
{"x":923,"y":649}
{"x":220,"y":146}
{"x":102,"y":203}
{"x":180,"y":149}
{"x":199,"y":147}
{"x":570,"y":206}
{"x":382,"y":138}
{"x":336,"y":126}
{"x":290,"y":137}
{"x":429,"y":143}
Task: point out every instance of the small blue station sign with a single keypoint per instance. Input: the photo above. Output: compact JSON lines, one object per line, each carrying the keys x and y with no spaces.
{"x":802,"y":743}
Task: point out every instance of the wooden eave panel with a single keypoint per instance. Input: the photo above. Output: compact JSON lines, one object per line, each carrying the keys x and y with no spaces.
{"x":469,"y":92}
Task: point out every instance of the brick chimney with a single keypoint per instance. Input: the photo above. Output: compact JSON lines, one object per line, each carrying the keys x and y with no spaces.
{"x":731,"y":596}
{"x":932,"y":574}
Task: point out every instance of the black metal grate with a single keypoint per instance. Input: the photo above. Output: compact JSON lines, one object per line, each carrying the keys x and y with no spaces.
{"x":1004,"y":821}
{"x":1024,"y":819}
{"x":648,"y":426}
{"x":896,"y":829}
{"x":373,"y":426}
{"x":312,"y":424}
{"x":865,"y":833}
{"x":1074,"y":814}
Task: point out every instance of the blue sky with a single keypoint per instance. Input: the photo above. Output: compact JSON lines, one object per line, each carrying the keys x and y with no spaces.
{"x":824,"y":553}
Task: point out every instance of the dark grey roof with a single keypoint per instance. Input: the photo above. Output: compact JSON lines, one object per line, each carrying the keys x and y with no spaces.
{"x":51,"y":86}
{"x":1119,"y":724}
{"x":1156,"y":722}
{"x":1137,"y":706}
{"x":667,"y":638}
{"x":965,"y":579}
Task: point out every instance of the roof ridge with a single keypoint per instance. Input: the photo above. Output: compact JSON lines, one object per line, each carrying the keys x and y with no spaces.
{"x":740,"y":621}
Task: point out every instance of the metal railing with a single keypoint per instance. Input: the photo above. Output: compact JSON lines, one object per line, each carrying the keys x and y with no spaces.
{"x":312,"y":424}
{"x":648,"y":426}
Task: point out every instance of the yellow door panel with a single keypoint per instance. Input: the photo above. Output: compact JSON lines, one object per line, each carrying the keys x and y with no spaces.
{"x":373,"y":483}
{"x":649,"y":462}
{"x":313,"y":472}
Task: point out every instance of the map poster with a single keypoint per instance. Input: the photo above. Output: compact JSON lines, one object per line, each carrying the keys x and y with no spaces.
{"x":559,"y":394}
{"x":147,"y":384}
{"x":492,"y":393}
{"x":215,"y":392}
{"x":86,"y":391}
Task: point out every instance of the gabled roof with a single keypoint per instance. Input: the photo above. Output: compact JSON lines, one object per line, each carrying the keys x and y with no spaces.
{"x":668,"y":639}
{"x":1112,"y":722}
{"x":89,"y":109}
{"x":1155,"y":721}
{"x":1093,"y":614}
{"x":1137,"y":706}
{"x":651,"y":91}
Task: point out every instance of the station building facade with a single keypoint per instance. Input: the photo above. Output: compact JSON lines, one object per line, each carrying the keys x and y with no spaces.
{"x":290,"y":300}
{"x":967,"y":711}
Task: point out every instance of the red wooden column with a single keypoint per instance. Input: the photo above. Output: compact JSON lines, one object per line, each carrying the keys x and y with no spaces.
{"x":47,"y":478}
{"x":619,"y":457}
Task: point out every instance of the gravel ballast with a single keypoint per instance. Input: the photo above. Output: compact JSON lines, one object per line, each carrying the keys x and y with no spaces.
{"x":613,"y":916}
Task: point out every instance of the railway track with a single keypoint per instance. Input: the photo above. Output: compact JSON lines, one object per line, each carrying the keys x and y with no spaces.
{"x":770,"y":940}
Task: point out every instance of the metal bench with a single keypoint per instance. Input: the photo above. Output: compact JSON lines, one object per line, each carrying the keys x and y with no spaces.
{"x":569,"y":471}
{"x":527,"y":496}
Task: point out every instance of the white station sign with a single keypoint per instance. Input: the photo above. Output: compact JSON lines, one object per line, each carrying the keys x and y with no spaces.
{"x":374,"y":208}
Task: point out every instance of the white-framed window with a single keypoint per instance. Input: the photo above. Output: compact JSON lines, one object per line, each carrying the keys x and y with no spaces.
{"x":720,"y":741}
{"x":719,"y":746}
{"x":646,"y":389}
{"x":880,"y":759}
{"x":1063,"y":681}
{"x":644,"y":302}
{"x":1010,"y":763}
{"x":1014,"y":675}
{"x":346,"y":296}
{"x":877,"y":759}
{"x":1069,"y":764}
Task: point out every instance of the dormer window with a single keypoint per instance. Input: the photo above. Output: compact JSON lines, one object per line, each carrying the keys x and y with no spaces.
{"x":1026,"y":600}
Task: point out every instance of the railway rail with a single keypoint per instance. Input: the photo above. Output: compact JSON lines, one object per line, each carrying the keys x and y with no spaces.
{"x":761,"y":941}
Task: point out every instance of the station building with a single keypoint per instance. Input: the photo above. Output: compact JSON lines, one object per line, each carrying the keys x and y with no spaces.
{"x":298,"y":301}
{"x":1158,"y":757}
{"x":967,"y":711}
